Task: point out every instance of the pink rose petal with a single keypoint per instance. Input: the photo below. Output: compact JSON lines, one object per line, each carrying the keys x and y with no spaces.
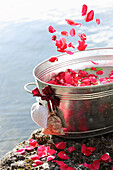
{"x":21,"y":151}
{"x":49,"y":158}
{"x":98,"y":21}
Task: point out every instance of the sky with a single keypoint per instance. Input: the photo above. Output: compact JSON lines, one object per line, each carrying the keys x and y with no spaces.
{"x":26,"y":10}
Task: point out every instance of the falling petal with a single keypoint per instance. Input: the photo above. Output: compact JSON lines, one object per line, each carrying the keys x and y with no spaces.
{"x":51,"y":29}
{"x":82,"y":46}
{"x":54,"y":38}
{"x":53,"y":59}
{"x":98,"y":21}
{"x":82,"y":36}
{"x":72,"y":32}
{"x":84,"y":10}
{"x":69,"y":52}
{"x":89,"y":16}
{"x":64,"y":33}
{"x":71,"y":45}
{"x":38,"y":162}
{"x":72,"y":23}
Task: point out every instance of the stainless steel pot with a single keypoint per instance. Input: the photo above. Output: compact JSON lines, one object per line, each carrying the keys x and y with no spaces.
{"x":87,"y":111}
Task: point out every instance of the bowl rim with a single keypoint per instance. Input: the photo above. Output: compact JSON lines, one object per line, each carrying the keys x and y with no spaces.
{"x":73,"y":87}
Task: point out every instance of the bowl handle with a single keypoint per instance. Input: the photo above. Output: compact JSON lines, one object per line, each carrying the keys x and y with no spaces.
{"x":28,"y":84}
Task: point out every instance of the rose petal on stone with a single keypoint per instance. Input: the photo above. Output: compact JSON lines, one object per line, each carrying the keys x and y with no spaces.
{"x":60,"y":145}
{"x":96,"y":164}
{"x":89,"y":16}
{"x":63,"y":155}
{"x":34,"y":157}
{"x":51,"y":29}
{"x":63,"y":167}
{"x":60,"y":163}
{"x":49,"y":158}
{"x":33,"y":143}
{"x":84,"y":10}
{"x":28,"y":148}
{"x":38,"y":162}
{"x":72,"y":32}
{"x":105,"y":158}
{"x":21,"y":151}
{"x":51,"y":152}
{"x":53,"y":59}
{"x":99,"y":72}
{"x":71,"y":149}
{"x":64,"y":33}
{"x":98,"y":21}
{"x":34,"y":165}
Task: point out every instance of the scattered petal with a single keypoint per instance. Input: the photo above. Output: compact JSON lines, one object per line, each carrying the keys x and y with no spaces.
{"x":64,"y":33}
{"x":63,"y":167}
{"x":34,"y":165}
{"x":96,"y":164}
{"x":69,"y":52}
{"x":71,"y":149}
{"x":60,"y":163}
{"x":98,"y":21}
{"x":63,"y":155}
{"x":53,"y":59}
{"x":28,"y":148}
{"x":34,"y":157}
{"x":84,"y":9}
{"x":33,"y":143}
{"x":21,"y":151}
{"x":38,"y":162}
{"x":51,"y":29}
{"x":60,"y":145}
{"x":49,"y":158}
{"x":72,"y":32}
{"x":105,"y":158}
{"x":89,"y":16}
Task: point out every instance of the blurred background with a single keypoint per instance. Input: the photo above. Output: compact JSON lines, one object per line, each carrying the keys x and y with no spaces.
{"x":25,"y":42}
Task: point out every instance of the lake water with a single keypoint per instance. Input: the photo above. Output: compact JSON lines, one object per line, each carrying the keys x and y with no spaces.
{"x":25,"y":42}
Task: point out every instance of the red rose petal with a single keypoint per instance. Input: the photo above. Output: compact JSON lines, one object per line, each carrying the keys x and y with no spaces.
{"x":71,"y":149}
{"x":60,"y":163}
{"x":82,"y":46}
{"x":72,"y":23}
{"x":33,"y":143}
{"x":82,"y":36}
{"x":71,"y":45}
{"x":63,"y":155}
{"x":64,"y":33}
{"x":63,"y":167}
{"x":38,"y":162}
{"x":93,"y":68}
{"x":96,"y":164}
{"x":51,"y":29}
{"x":72,"y":32}
{"x":60,"y":145}
{"x":34,"y":157}
{"x":21,"y":151}
{"x":84,"y":10}
{"x":98,"y":21}
{"x":34,"y":165}
{"x":89,"y":16}
{"x":69,"y":52}
{"x":99,"y":72}
{"x":94,"y":62}
{"x":49,"y":158}
{"x":54,"y":38}
{"x":53,"y":59}
{"x":105,"y":158}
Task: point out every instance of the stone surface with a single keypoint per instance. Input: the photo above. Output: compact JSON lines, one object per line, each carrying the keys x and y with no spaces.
{"x":103,"y":144}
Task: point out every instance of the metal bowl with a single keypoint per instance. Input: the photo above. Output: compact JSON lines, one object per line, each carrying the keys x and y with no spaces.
{"x":87,"y":111}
